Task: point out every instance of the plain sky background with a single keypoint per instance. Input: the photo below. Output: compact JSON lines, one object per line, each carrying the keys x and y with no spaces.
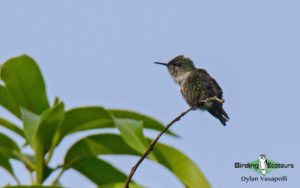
{"x":102,"y":53}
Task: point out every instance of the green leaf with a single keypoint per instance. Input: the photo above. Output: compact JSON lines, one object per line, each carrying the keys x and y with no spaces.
{"x":11,"y":126}
{"x":86,"y":118}
{"x":49,"y":124}
{"x":41,"y":133}
{"x":8,"y":147}
{"x":8,"y":102}
{"x":99,"y":171}
{"x":47,"y":172}
{"x":103,"y":144}
{"x":180,"y":165}
{"x":30,"y":124}
{"x":8,"y":150}
{"x":132,"y":133}
{"x":44,"y":136}
{"x":28,"y":161}
{"x":4,"y":163}
{"x":25,"y":83}
{"x":96,"y":145}
{"x":148,"y":122}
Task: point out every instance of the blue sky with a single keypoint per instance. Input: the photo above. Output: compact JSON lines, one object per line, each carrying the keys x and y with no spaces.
{"x":101,"y":53}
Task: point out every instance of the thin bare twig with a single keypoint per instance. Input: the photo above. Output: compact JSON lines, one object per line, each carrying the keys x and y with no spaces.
{"x":151,"y":146}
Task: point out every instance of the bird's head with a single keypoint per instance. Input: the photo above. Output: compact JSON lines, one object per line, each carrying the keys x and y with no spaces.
{"x":179,"y":66}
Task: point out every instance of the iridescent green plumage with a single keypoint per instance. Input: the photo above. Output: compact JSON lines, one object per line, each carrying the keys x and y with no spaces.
{"x":197,"y":85}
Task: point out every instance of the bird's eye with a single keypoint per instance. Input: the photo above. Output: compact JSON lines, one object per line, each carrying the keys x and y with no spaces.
{"x":178,"y":63}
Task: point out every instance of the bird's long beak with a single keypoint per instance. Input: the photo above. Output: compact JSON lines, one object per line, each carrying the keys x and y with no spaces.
{"x":165,"y":64}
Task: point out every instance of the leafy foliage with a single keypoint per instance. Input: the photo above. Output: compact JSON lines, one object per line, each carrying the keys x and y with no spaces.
{"x":44,"y":126}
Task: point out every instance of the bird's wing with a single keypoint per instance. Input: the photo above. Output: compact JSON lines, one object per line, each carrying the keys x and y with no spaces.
{"x":217,"y":90}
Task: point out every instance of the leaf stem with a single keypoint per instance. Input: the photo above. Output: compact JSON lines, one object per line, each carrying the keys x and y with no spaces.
{"x":54,"y":182}
{"x":26,"y":161}
{"x":49,"y":156}
{"x":31,"y":178}
{"x":52,"y":148}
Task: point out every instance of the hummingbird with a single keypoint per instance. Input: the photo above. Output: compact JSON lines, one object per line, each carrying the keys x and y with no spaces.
{"x":196,"y":85}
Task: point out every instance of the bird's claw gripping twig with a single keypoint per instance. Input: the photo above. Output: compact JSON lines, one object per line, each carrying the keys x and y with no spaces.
{"x":215,"y":98}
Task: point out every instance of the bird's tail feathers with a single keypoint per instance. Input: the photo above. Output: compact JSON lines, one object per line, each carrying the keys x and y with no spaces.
{"x":218,"y":112}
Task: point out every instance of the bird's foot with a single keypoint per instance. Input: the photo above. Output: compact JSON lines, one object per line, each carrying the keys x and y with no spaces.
{"x":215,"y":98}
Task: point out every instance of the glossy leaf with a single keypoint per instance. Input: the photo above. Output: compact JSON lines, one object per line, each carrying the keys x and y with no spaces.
{"x":28,"y":161}
{"x":148,"y":122}
{"x":49,"y":124}
{"x":85,"y":118}
{"x":8,"y":150}
{"x":99,"y":171}
{"x":132,"y":133}
{"x":30,"y":124}
{"x":94,"y":117}
{"x":4,"y":163}
{"x":103,"y":144}
{"x":56,"y":101}
{"x":8,"y":102}
{"x":180,"y":165}
{"x":96,"y":145}
{"x":11,"y":126}
{"x":47,"y":172}
{"x":25,"y":83}
{"x":8,"y":147}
